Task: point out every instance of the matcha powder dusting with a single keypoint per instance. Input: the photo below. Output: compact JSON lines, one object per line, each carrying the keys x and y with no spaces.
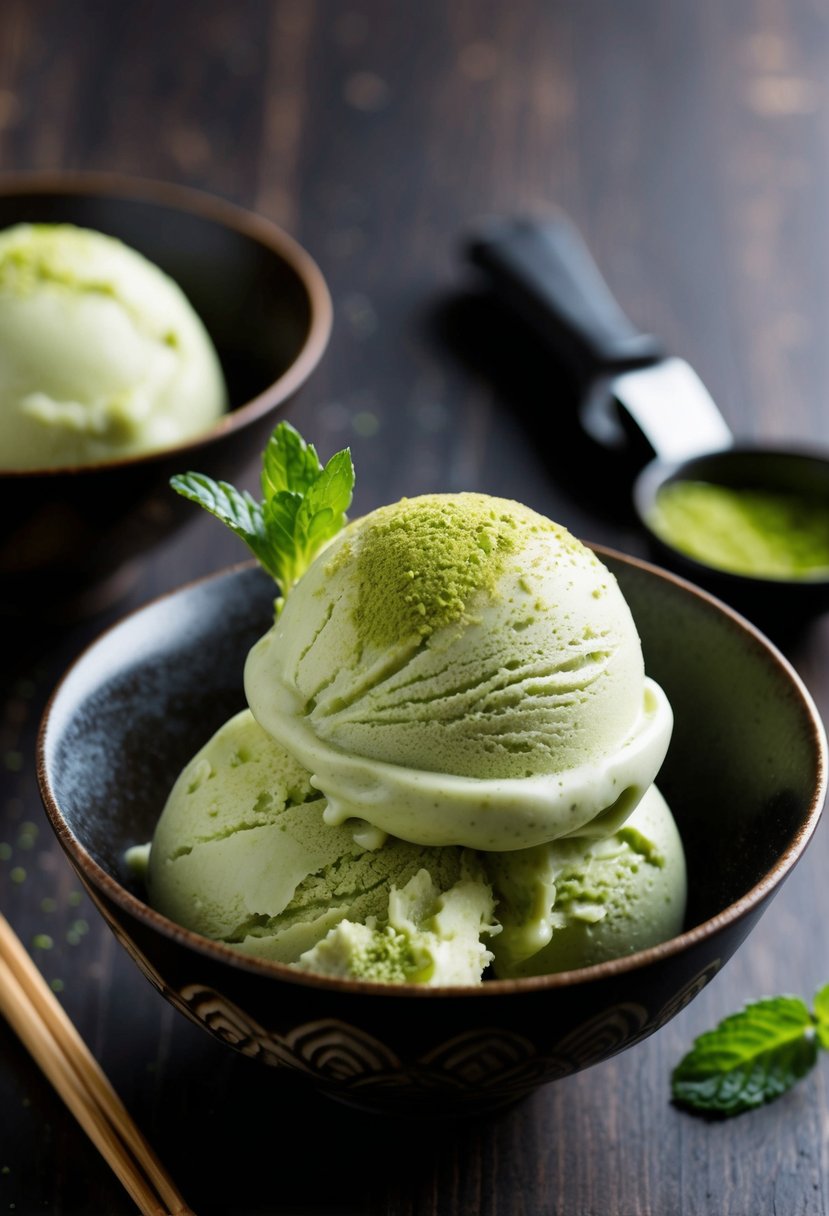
{"x":422,"y":562}
{"x":461,"y":634}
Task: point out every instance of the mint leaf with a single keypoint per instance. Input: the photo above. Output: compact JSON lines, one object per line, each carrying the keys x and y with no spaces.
{"x":821,"y":1014}
{"x":288,"y":462}
{"x":304,"y":504}
{"x":752,"y":1057}
{"x":237,"y":509}
{"x":299,"y":523}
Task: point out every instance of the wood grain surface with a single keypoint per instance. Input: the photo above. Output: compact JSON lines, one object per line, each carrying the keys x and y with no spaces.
{"x":690,"y":142}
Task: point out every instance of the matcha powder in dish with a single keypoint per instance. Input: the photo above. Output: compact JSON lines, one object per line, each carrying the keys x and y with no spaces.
{"x":760,"y":533}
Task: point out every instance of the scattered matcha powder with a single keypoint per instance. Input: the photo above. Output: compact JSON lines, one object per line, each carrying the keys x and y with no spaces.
{"x":443,"y":552}
{"x":365,"y":423}
{"x":27,"y":835}
{"x":76,"y":931}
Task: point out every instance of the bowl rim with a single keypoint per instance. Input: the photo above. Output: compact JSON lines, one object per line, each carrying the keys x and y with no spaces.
{"x":95,"y":876}
{"x":224,"y":213}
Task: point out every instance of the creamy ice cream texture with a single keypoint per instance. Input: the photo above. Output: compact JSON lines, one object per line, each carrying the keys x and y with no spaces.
{"x":457,"y":669}
{"x":102,"y":353}
{"x":573,"y":903}
{"x":242,"y":855}
{"x":449,"y":763}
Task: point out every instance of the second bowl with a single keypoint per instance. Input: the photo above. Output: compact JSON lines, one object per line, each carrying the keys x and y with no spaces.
{"x":70,"y":537}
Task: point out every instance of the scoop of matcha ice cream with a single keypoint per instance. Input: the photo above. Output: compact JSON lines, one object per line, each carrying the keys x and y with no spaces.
{"x":457,"y":669}
{"x":241,"y":855}
{"x":101,"y":353}
{"x":451,"y":738}
{"x":573,"y":903}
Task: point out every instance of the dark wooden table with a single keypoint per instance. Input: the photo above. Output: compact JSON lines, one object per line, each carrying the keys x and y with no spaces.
{"x":691,"y":144}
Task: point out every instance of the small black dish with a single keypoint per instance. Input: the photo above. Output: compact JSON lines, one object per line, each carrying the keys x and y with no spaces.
{"x":782,"y":606}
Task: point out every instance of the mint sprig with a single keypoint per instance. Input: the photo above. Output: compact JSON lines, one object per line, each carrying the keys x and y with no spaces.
{"x":753,"y":1056}
{"x":303,"y":505}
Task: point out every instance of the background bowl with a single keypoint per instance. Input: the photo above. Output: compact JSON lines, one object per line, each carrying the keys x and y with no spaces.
{"x":745,"y":776}
{"x":69,"y":537}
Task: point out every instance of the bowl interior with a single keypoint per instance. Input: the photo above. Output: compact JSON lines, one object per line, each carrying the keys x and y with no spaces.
{"x":251,"y":294}
{"x":744,"y":773}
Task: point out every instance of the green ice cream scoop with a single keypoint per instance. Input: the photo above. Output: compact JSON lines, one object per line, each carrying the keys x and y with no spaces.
{"x":458,"y":669}
{"x":241,"y":855}
{"x":101,"y":353}
{"x":573,"y":903}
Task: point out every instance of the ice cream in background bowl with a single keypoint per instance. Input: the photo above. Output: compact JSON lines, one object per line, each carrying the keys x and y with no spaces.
{"x":440,"y":976}
{"x":101,"y":354}
{"x":143,"y":327}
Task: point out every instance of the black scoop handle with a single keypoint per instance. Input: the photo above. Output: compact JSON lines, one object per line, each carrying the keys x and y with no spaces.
{"x":543,"y":269}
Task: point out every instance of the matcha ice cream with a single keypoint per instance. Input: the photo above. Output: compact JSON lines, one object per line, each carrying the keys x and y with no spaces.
{"x":560,"y":906}
{"x":241,"y":855}
{"x":101,"y":354}
{"x":457,"y":669}
{"x":446,"y":768}
{"x":573,"y":903}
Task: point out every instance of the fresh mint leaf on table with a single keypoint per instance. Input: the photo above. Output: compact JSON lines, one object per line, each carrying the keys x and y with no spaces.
{"x":752,"y":1056}
{"x":303,"y":504}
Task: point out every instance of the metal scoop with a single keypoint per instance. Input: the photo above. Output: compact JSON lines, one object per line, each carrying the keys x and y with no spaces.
{"x":636,"y":398}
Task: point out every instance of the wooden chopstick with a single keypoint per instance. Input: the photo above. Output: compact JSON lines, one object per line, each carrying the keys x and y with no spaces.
{"x":44,"y":1028}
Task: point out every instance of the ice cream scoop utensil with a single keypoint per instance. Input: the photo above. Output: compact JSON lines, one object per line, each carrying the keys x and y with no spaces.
{"x":543,"y":269}
{"x":649,"y":406}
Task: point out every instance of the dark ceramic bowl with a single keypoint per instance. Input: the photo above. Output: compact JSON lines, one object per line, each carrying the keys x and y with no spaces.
{"x":70,"y":538}
{"x":745,"y":776}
